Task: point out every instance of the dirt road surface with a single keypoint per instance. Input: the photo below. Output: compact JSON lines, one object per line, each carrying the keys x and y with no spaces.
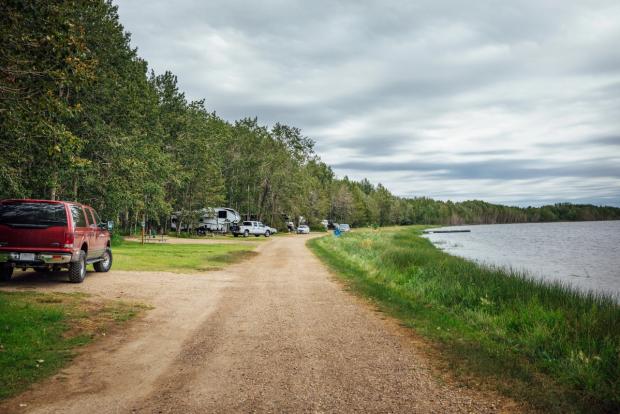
{"x":273,"y":334}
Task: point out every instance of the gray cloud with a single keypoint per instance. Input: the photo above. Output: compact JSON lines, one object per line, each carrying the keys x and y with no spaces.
{"x":383,"y":145}
{"x":497,"y":169}
{"x":513,"y":102}
{"x":610,"y":140}
{"x":600,"y":142}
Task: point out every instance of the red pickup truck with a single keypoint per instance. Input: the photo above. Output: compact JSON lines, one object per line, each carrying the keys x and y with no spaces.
{"x":50,"y":235}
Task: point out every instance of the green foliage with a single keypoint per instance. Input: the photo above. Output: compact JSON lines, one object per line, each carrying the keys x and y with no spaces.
{"x":39,"y":331}
{"x":550,"y":345}
{"x":24,"y":343}
{"x":179,"y":258}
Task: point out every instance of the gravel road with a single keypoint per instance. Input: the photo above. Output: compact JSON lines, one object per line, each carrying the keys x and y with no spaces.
{"x":275,"y":333}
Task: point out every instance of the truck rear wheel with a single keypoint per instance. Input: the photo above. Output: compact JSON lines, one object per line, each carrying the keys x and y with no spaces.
{"x":267,"y":233}
{"x":246,"y":233}
{"x":6,"y":271}
{"x":77,"y":270}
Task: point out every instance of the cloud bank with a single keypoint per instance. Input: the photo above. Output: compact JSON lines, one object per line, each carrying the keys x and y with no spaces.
{"x":512,"y":102}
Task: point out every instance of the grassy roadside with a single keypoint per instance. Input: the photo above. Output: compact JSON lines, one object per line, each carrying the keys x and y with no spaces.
{"x":40,"y":332}
{"x":544,"y":344}
{"x":178,"y":258}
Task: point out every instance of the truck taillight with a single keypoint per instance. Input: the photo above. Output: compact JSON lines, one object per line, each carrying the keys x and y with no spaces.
{"x":69,"y":239}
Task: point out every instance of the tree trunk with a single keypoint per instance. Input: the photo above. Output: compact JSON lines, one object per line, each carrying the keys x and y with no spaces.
{"x":273,"y":208}
{"x":54,"y":189}
{"x":126,"y":223}
{"x":262,"y":197}
{"x":75,"y":188}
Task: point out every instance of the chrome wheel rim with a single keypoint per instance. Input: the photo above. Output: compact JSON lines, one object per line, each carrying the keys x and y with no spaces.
{"x":106,"y":260}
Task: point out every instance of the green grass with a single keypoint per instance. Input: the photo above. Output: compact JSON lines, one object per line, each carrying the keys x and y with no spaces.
{"x":39,"y":333}
{"x":179,"y":258}
{"x":542,"y":343}
{"x":182,"y":235}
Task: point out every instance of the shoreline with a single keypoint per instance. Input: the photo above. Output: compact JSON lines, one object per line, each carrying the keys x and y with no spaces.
{"x":578,"y":255}
{"x":542,"y":343}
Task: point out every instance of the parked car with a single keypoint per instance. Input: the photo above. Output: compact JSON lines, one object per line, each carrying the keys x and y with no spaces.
{"x":303,"y":229}
{"x":50,"y":235}
{"x":252,"y":227}
{"x":344,"y":227}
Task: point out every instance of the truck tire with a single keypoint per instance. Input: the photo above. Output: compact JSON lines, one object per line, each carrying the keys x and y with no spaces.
{"x":77,"y":270}
{"x":246,"y":233}
{"x":6,"y":271}
{"x":267,"y":233}
{"x":106,"y":264}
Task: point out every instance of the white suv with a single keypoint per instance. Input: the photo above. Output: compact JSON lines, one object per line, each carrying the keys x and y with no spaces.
{"x":252,"y":227}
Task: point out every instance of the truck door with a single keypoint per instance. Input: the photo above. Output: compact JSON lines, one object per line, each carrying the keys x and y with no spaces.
{"x":93,"y":248}
{"x":80,"y":227}
{"x":99,"y":234}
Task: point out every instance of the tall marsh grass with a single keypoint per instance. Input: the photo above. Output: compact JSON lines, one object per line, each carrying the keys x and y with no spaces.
{"x":546,"y":343}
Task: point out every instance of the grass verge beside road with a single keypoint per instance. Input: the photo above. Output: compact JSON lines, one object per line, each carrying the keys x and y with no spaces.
{"x":40,"y":332}
{"x":545,"y":344}
{"x":178,"y":258}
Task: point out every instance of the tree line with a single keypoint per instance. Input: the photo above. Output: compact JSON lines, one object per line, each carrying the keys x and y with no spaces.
{"x":83,"y":119}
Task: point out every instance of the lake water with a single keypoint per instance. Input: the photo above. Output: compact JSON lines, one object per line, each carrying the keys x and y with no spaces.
{"x":585,"y":255}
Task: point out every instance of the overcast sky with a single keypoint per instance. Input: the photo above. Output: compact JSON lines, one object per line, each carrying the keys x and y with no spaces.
{"x":513,"y":102}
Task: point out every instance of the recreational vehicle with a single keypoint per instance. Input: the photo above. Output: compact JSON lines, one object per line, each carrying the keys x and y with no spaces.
{"x":210,"y":219}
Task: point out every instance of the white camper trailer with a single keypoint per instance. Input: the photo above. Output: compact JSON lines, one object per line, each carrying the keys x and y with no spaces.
{"x":210,"y":219}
